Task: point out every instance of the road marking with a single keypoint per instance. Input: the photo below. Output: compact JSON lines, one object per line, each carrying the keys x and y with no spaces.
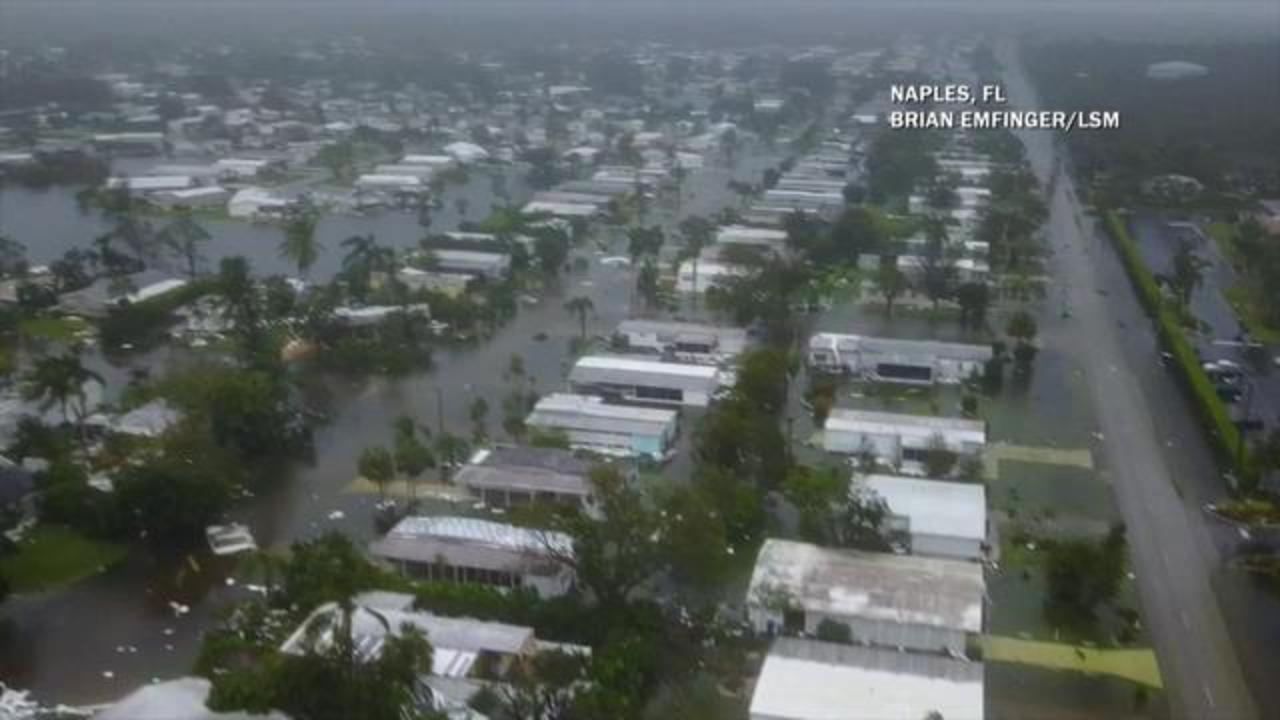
{"x":1208,"y":696}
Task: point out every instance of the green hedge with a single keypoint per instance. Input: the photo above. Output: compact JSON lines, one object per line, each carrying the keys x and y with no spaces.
{"x":1213,"y":412}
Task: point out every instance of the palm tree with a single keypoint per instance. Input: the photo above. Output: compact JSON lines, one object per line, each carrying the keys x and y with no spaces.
{"x":363,"y":257}
{"x":1188,"y":273}
{"x":183,"y":237}
{"x":300,"y":245}
{"x":698,"y":232}
{"x":377,"y":465}
{"x":60,"y":380}
{"x":581,"y":306}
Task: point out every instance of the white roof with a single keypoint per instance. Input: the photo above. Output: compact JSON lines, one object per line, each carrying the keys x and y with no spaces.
{"x":874,"y":422}
{"x":378,"y":614}
{"x":466,"y":152}
{"x":199,"y":192}
{"x":750,"y":235}
{"x":649,"y":367}
{"x":152,"y":182}
{"x":474,"y":531}
{"x":394,"y":180}
{"x":811,"y":680}
{"x":426,"y":160}
{"x":564,"y":209}
{"x":877,"y":587}
{"x":155,"y":289}
{"x":256,"y":195}
{"x":596,"y":407}
{"x":933,"y":507}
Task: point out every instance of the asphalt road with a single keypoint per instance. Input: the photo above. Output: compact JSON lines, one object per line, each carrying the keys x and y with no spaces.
{"x":1174,"y":550}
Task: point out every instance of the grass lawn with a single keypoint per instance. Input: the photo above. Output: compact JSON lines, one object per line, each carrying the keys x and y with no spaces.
{"x":52,"y":556}
{"x":1133,"y":664}
{"x":52,"y":327}
{"x":1243,"y":299}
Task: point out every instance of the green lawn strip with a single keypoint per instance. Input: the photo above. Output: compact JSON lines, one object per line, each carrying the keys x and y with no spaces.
{"x":1213,"y":412}
{"x":1134,"y":664}
{"x":53,"y":556}
{"x":1244,"y":299}
{"x":52,"y":327}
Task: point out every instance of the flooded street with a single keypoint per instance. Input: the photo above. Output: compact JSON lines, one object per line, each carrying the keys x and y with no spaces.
{"x":62,"y":654}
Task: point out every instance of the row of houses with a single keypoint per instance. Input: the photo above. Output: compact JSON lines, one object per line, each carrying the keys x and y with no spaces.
{"x":869,"y":634}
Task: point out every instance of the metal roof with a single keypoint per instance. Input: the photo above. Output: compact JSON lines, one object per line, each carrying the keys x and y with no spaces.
{"x":933,"y":507}
{"x":586,"y":412}
{"x":477,"y":533}
{"x":372,"y":621}
{"x":874,"y":422}
{"x":527,"y":469}
{"x":931,"y":349}
{"x":611,"y":369}
{"x":812,"y":680}
{"x":879,"y":587}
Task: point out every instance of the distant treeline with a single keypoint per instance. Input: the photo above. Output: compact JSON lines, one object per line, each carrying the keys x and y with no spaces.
{"x":1218,"y":127}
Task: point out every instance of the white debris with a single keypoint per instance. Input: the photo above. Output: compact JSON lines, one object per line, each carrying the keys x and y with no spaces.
{"x":337,"y":515}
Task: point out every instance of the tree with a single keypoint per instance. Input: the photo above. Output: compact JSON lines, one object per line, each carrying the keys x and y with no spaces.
{"x":698,"y":232}
{"x":544,"y":687}
{"x":890,"y":281}
{"x":451,"y":450}
{"x":172,"y":497}
{"x":1022,"y":326}
{"x":939,"y":270}
{"x":61,"y":380}
{"x":329,"y":568}
{"x":835,"y":632}
{"x":13,"y":257}
{"x":1188,"y":273}
{"x":478,"y":412}
{"x":616,"y":554}
{"x":647,"y":283}
{"x":939,"y":460}
{"x":300,"y":245}
{"x":412,"y":457}
{"x":1081,"y":575}
{"x":580,"y":306}
{"x":974,"y":299}
{"x":859,"y":523}
{"x":854,"y":194}
{"x":183,"y":236}
{"x":377,"y":466}
{"x":364,"y":257}
{"x":644,"y":241}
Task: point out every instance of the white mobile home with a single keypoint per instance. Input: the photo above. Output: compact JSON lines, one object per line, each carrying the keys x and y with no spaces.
{"x":913,"y":362}
{"x":896,"y":601}
{"x":470,"y":550}
{"x":770,"y":238}
{"x":472,"y":262}
{"x":619,"y":430}
{"x":939,"y":518}
{"x":507,"y":477}
{"x":899,"y":439}
{"x":646,"y":381}
{"x":685,"y":342}
{"x":813,"y":680}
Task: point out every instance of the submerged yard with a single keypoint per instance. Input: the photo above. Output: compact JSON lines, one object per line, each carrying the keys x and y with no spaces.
{"x":54,"y":556}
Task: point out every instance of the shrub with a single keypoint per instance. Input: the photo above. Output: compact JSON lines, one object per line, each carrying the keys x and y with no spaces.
{"x":1213,"y":413}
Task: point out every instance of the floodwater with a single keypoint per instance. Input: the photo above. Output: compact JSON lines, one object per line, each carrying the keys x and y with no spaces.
{"x":49,"y":223}
{"x":52,"y":646}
